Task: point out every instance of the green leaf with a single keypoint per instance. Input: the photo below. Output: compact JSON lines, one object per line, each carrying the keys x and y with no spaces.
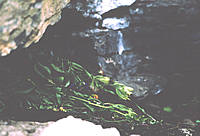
{"x":58,"y":96}
{"x":67,"y":84}
{"x":167,"y":109}
{"x":109,"y":91}
{"x":28,"y":102}
{"x":121,"y":107}
{"x":80,"y":94}
{"x":46,"y":101}
{"x":104,"y":79}
{"x":42,"y":107}
{"x":42,"y":70}
{"x":49,"y":107}
{"x":88,"y":74}
{"x":61,"y":79}
{"x":126,"y":90}
{"x":59,"y":89}
{"x":77,"y":66}
{"x":121,"y":94}
{"x":45,"y":107}
{"x":89,"y":107}
{"x":144,"y":119}
{"x":197,"y":121}
{"x":45,"y":68}
{"x":57,"y":68}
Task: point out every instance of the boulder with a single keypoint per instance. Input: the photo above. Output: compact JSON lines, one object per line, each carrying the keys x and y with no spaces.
{"x":71,"y":126}
{"x":23,"y":22}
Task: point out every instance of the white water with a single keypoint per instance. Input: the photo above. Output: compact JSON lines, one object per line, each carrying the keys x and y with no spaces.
{"x":106,"y":5}
{"x":116,"y":23}
{"x":120,"y":44}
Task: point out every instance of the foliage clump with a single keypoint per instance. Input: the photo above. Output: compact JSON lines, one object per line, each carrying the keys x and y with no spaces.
{"x":59,"y":84}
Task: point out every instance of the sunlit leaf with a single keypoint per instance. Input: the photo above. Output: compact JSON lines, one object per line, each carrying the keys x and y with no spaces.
{"x":121,"y":94}
{"x":197,"y":121}
{"x":67,"y":84}
{"x":124,"y":89}
{"x":103,"y":79}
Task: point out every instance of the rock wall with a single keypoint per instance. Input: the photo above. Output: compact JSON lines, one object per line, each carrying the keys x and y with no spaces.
{"x":139,"y":42}
{"x":23,"y":22}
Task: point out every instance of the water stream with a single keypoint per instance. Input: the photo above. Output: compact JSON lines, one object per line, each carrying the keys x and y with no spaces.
{"x":120,"y":45}
{"x":130,"y":68}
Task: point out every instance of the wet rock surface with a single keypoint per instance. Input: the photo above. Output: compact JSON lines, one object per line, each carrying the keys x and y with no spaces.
{"x":141,"y":41}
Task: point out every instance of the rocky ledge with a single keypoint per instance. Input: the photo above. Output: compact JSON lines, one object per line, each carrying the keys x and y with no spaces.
{"x":69,"y":126}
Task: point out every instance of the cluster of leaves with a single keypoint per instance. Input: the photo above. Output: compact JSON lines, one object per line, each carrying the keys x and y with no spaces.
{"x":62,"y":85}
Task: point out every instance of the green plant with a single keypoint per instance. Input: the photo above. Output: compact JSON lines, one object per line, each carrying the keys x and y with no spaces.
{"x":62,"y":85}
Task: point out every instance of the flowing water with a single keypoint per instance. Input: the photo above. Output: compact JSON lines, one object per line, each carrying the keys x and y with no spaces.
{"x":127,"y":67}
{"x":120,"y":44}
